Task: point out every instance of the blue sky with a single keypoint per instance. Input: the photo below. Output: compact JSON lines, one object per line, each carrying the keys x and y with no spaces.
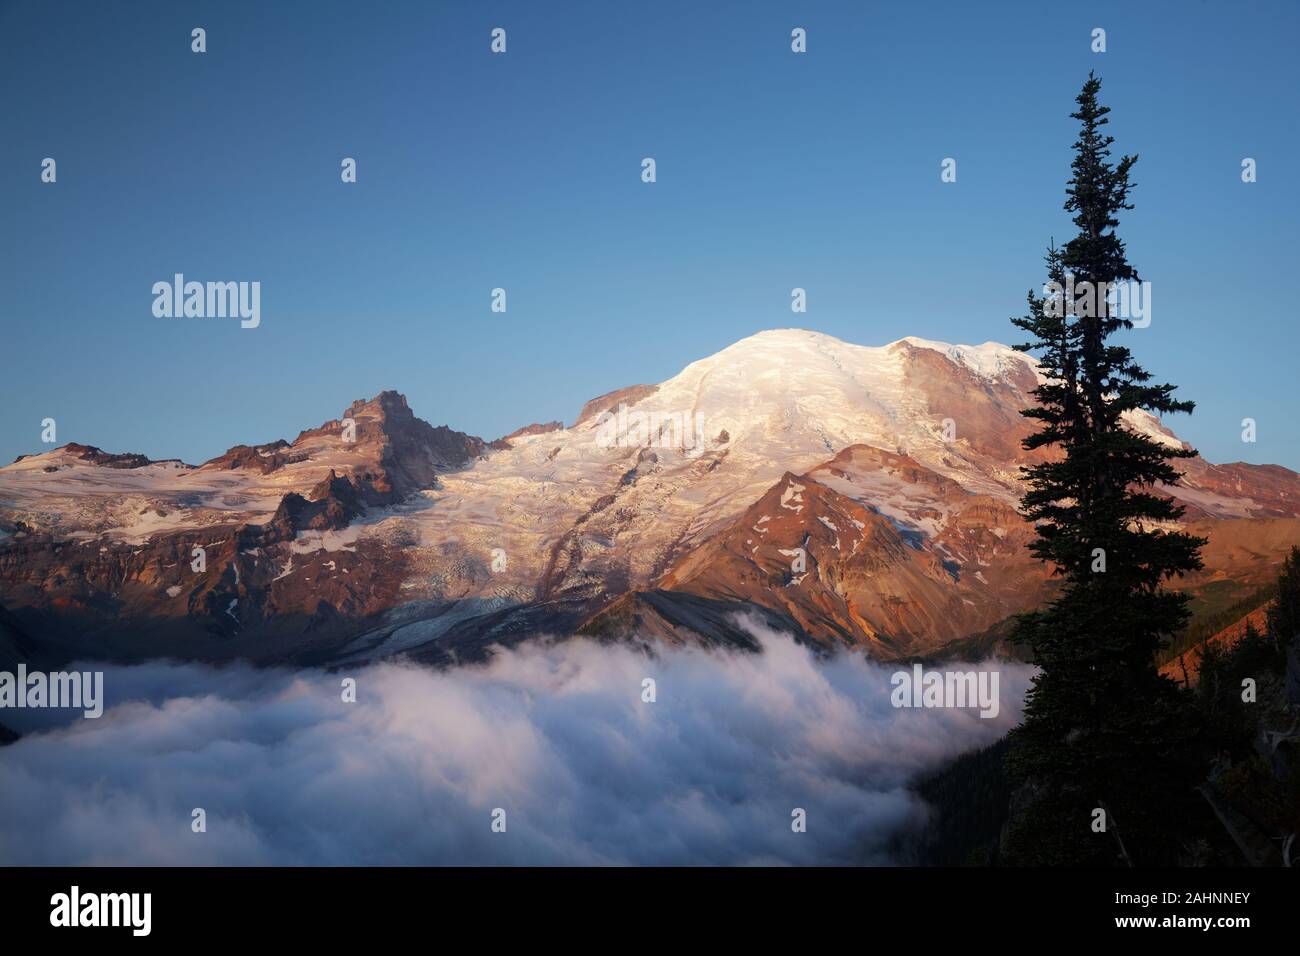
{"x":775,"y":170}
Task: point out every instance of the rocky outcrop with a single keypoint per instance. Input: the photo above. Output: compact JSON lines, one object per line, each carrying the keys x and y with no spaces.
{"x":397,"y":453}
{"x":262,"y":459}
{"x":528,"y":430}
{"x":332,"y":505}
{"x":96,"y":456}
{"x":611,"y":400}
{"x":379,"y":444}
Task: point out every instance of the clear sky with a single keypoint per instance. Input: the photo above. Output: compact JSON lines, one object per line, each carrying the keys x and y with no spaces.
{"x":523,"y":171}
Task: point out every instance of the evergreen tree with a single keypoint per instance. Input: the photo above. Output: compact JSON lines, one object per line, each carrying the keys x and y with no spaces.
{"x":1102,"y":728}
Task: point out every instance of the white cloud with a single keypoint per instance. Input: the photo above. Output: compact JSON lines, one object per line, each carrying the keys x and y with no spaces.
{"x":554,"y":733}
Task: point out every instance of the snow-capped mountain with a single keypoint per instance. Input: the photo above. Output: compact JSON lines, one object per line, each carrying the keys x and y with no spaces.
{"x":664,"y":509}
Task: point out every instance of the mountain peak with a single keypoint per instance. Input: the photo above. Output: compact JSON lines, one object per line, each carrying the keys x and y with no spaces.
{"x":789,"y":332}
{"x":388,"y":404}
{"x":785,"y":346}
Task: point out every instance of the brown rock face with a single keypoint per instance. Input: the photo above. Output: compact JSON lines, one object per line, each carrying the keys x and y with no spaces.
{"x":263,"y":459}
{"x":611,"y":400}
{"x":394,"y":453}
{"x":95,"y":456}
{"x":378,"y":444}
{"x":1238,"y":490}
{"x":986,"y":414}
{"x":331,"y":506}
{"x":537,"y":428}
{"x":846,"y":574}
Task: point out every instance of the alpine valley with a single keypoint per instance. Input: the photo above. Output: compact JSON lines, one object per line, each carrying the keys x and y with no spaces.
{"x":863,"y":497}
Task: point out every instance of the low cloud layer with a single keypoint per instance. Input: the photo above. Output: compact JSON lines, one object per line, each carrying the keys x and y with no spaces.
{"x":556,"y":735}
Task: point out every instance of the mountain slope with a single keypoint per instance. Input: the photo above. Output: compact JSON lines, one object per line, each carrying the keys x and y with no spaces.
{"x":853,"y":567}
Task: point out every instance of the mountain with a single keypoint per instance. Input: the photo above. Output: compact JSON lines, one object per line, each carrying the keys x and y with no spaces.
{"x":98,"y":552}
{"x":664,"y":511}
